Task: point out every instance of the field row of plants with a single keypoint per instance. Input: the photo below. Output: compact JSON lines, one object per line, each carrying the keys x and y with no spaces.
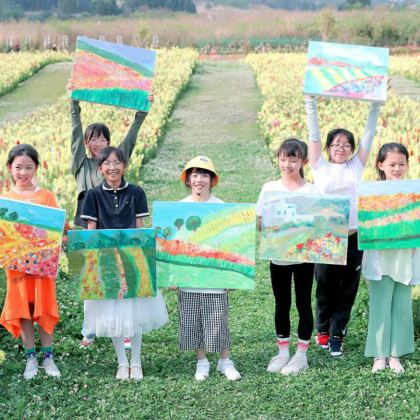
{"x":406,"y":65}
{"x":49,"y":128}
{"x":283,"y":115}
{"x":15,"y":68}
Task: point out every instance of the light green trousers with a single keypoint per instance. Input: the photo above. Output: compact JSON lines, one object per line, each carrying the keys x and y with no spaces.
{"x":390,"y":331}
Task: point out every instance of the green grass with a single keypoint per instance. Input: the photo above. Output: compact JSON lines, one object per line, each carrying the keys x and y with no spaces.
{"x":329,"y":390}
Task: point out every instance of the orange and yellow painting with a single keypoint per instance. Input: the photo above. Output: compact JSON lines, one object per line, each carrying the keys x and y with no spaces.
{"x":30,"y":237}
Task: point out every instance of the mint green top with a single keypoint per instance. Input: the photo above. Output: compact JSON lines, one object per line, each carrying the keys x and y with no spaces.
{"x":84,"y":168}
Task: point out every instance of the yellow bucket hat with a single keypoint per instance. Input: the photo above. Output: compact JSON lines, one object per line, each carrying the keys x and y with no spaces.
{"x":202,"y":162}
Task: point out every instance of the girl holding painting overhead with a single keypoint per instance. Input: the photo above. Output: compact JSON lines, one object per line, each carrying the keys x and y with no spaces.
{"x":203,"y":314}
{"x":391,"y":274}
{"x":116,"y":204}
{"x":30,"y":298}
{"x":337,"y":285}
{"x":292,"y":156}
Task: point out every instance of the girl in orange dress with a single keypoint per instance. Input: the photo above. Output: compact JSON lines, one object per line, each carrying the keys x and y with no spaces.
{"x":30,"y":298}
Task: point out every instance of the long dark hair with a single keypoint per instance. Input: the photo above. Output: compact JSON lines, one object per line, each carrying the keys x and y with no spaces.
{"x":294,"y":148}
{"x":96,"y":130}
{"x":105,"y":153}
{"x":23,"y":150}
{"x":383,"y":154}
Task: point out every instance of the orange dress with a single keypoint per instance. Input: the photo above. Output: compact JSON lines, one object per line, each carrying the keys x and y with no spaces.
{"x":24,"y":288}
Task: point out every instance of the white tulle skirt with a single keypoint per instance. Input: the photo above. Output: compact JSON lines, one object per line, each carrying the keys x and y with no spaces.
{"x":125,"y":317}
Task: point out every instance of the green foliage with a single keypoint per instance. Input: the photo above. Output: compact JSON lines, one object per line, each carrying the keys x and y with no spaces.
{"x":3,"y":212}
{"x":66,"y":7}
{"x":14,"y":215}
{"x":328,"y":25}
{"x":10,"y":10}
{"x":104,"y":7}
{"x":167,"y":232}
{"x":355,"y":4}
{"x":178,"y":223}
{"x":193,"y":223}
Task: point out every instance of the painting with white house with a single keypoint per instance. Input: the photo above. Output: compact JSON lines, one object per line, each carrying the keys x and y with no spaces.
{"x":300,"y":227}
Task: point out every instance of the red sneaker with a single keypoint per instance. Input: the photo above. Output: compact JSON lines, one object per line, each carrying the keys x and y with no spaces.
{"x":323,"y":340}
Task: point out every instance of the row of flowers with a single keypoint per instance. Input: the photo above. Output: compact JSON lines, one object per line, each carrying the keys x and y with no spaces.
{"x":279,"y":77}
{"x":15,"y":68}
{"x":386,"y":202}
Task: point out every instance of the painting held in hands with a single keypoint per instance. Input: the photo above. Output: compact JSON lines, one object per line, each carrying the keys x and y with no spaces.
{"x":30,"y":237}
{"x":113,"y":74}
{"x":346,"y":72}
{"x":389,"y":214}
{"x":205,"y":245}
{"x":112,"y":264}
{"x":305,"y":227}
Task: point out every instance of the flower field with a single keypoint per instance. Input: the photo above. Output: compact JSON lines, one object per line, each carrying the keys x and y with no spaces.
{"x":283,"y":113}
{"x":406,"y":65}
{"x":48,"y":129}
{"x":15,"y":68}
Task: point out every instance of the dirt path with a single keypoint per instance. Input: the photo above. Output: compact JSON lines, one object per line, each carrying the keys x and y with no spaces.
{"x":406,"y":87}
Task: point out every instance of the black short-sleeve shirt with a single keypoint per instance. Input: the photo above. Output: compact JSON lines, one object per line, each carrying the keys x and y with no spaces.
{"x":115,"y":208}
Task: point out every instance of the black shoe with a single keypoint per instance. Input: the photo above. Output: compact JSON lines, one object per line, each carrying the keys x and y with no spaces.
{"x":336,"y":346}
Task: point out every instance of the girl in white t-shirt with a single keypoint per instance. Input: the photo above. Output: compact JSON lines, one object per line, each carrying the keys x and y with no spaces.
{"x":337,"y":285}
{"x":391,"y":274}
{"x":293,"y":156}
{"x":203,"y":314}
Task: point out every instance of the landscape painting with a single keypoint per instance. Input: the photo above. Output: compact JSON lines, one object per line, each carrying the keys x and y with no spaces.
{"x":389,"y":214}
{"x":112,"y":264}
{"x":205,"y":245}
{"x":305,"y":227}
{"x":113,"y":74}
{"x":30,"y":237}
{"x":346,"y":71}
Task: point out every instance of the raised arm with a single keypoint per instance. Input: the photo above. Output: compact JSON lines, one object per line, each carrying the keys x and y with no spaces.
{"x":315,"y":146}
{"x":366,"y":144}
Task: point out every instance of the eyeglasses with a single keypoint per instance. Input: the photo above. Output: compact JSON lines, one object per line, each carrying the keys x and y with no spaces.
{"x":341,"y":146}
{"x":98,"y":141}
{"x":116,"y":164}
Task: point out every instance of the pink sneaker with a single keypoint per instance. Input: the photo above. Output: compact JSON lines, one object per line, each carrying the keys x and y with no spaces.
{"x":379,"y":364}
{"x":395,"y":364}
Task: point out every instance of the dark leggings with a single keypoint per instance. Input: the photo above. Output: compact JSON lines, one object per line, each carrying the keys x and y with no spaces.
{"x":336,"y":290}
{"x":281,"y":280}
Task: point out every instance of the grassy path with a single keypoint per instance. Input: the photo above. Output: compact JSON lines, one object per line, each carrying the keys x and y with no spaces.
{"x":215,"y":116}
{"x":42,"y":89}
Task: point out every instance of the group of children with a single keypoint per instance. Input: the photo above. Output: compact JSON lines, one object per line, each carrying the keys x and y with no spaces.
{"x":105,"y":200}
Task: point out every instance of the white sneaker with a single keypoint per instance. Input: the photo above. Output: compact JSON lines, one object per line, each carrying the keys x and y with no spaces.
{"x":227,"y":368}
{"x":31,"y":369}
{"x":50,"y":368}
{"x":203,"y":370}
{"x":277,"y":363}
{"x":296,"y":365}
{"x":136,"y":372}
{"x":395,"y":364}
{"x":127,"y":344}
{"x":123,"y":373}
{"x":86,"y":342}
{"x":379,"y":364}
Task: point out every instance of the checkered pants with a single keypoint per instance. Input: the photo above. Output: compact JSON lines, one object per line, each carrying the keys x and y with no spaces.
{"x":203,"y":321}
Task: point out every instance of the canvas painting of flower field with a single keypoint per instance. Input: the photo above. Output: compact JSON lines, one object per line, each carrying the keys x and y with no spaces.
{"x":30,"y":237}
{"x":112,"y":264}
{"x":113,"y":74}
{"x":389,"y":214}
{"x":205,"y":245}
{"x":346,"y":71}
{"x":305,"y":227}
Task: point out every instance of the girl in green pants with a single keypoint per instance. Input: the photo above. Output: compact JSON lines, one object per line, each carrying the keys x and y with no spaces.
{"x":392,"y":273}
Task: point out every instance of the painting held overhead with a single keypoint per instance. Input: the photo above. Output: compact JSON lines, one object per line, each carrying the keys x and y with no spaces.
{"x":389,"y":214}
{"x":346,"y":72}
{"x":30,"y":237}
{"x":305,"y":227}
{"x":205,"y":245}
{"x":112,"y":264}
{"x":113,"y":74}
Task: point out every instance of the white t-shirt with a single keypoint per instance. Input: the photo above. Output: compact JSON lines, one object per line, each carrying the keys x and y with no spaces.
{"x":212,"y":199}
{"x":341,"y":179}
{"x":279,"y":186}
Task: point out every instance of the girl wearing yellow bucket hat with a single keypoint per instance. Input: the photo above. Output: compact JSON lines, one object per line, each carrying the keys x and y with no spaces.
{"x":203,"y":314}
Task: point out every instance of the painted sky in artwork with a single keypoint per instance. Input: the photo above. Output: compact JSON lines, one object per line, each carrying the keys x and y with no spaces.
{"x":305,"y":227}
{"x":389,"y":214}
{"x":346,"y":71}
{"x":205,"y":245}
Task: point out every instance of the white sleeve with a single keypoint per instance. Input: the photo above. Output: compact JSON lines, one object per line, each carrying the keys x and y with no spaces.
{"x":260,"y":203}
{"x":321,"y":162}
{"x":357,"y":165}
